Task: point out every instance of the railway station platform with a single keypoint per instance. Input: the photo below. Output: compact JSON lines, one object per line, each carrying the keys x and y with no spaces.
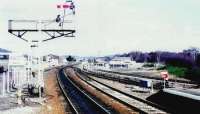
{"x":187,"y":93}
{"x":178,"y":101}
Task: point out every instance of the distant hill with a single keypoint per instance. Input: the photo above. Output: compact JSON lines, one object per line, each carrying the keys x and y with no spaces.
{"x":4,"y":50}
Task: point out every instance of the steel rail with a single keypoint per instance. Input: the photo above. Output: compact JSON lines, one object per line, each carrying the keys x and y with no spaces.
{"x":98,"y":107}
{"x":133,"y":97}
{"x":143,"y":76}
{"x":74,"y":110}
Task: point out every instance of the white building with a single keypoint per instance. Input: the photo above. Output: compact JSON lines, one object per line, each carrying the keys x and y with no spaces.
{"x":52,"y":60}
{"x":100,"y":64}
{"x":4,"y":57}
{"x":123,"y":63}
{"x":17,"y":66}
{"x":116,"y":63}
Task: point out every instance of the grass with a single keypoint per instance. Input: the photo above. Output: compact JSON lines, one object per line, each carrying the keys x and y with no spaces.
{"x":183,"y":72}
{"x":178,"y":71}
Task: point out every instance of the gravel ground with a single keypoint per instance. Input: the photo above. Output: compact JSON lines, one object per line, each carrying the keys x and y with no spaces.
{"x":54,"y":99}
{"x":137,"y":91}
{"x":107,"y":100}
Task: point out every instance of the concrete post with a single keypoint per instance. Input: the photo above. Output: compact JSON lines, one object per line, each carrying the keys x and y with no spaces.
{"x":8,"y":79}
{"x":3,"y":84}
{"x":14,"y":76}
{"x":152,"y":90}
{"x":164,"y":83}
{"x":19,"y":94}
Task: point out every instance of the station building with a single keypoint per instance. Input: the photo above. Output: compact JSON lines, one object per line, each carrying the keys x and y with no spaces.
{"x":101,"y":65}
{"x":116,"y":63}
{"x":4,"y":59}
{"x":51,"y":60}
{"x":123,"y":63}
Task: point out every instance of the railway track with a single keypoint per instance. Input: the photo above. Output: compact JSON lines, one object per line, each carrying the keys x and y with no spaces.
{"x":147,"y":77}
{"x":173,"y":102}
{"x":131,"y":79}
{"x":79,"y":101}
{"x":136,"y":103}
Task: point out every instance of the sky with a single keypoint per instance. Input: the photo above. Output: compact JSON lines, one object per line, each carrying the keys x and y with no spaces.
{"x":105,"y":27}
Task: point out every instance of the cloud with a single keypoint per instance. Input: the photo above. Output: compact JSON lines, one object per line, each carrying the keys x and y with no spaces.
{"x":111,"y":26}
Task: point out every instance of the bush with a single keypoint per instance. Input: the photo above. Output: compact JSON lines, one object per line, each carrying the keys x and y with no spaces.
{"x":179,"y":62}
{"x":162,"y":68}
{"x":70,"y":58}
{"x":178,"y":71}
{"x":193,"y":74}
{"x":148,"y":65}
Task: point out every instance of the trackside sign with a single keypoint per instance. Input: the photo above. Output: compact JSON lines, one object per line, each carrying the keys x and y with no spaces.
{"x":164,"y":75}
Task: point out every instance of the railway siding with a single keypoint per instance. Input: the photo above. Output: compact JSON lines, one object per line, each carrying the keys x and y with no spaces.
{"x":142,"y":107}
{"x":109,"y":101}
{"x":135,"y":79}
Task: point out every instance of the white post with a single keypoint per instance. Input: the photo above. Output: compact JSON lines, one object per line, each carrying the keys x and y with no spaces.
{"x":18,"y":74}
{"x":19,"y":94}
{"x":27,"y":70}
{"x":20,"y":78}
{"x":14,"y":76}
{"x":164,"y":83}
{"x":8,"y":79}
{"x":3,"y":83}
{"x":26,"y":73}
{"x":40,"y":72}
{"x":39,"y":76}
{"x":31,"y":64}
{"x":152,"y":87}
{"x":23,"y":77}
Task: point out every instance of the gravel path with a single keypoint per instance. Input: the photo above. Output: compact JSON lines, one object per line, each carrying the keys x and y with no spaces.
{"x":55,"y":103}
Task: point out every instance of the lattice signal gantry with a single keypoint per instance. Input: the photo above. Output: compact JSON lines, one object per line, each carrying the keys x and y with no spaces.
{"x":20,"y":27}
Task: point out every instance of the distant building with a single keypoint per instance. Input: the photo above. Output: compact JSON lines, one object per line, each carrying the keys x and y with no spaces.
{"x":52,"y":60}
{"x":123,"y":63}
{"x":4,"y":59}
{"x":17,"y":59}
{"x":100,"y":63}
{"x":119,"y":62}
{"x":115,"y":63}
{"x":62,"y":60}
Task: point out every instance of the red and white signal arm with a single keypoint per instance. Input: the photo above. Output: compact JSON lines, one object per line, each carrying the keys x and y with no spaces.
{"x":164,"y":75}
{"x":67,"y":5}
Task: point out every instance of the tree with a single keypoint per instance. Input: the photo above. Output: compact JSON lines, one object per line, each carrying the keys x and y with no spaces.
{"x":70,"y":59}
{"x":152,"y":57}
{"x":1,"y":69}
{"x":191,"y":50}
{"x":198,"y":60}
{"x":178,"y":62}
